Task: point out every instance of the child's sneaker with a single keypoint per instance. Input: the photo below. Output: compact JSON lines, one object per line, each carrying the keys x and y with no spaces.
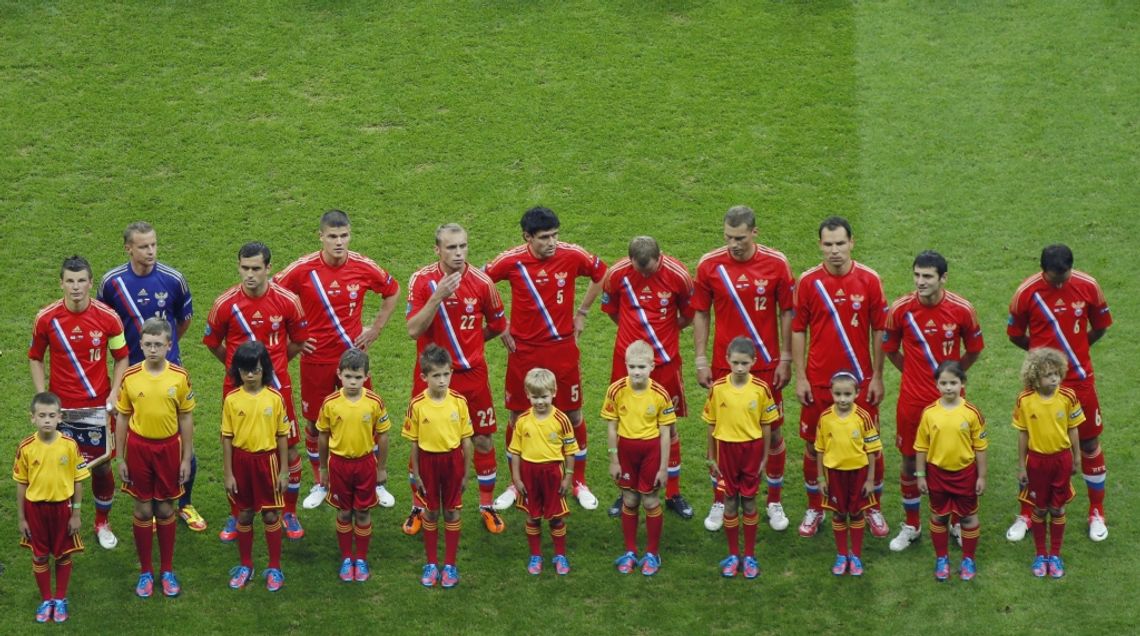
{"x":363,"y":573}
{"x":346,"y":573}
{"x":968,"y":570}
{"x":650,"y":563}
{"x":626,"y":562}
{"x":1056,"y":566}
{"x":145,"y":587}
{"x":751,"y":567}
{"x":61,"y":614}
{"x":839,"y":568}
{"x":430,"y":575}
{"x":854,"y":565}
{"x":1040,"y":567}
{"x":274,"y":579}
{"x":534,"y":566}
{"x":942,"y":568}
{"x":228,"y":533}
{"x":240,"y":576}
{"x":729,"y":566}
{"x":561,"y":565}
{"x":450,"y":577}
{"x":44,"y":611}
{"x":293,"y":529}
{"x":170,"y":585}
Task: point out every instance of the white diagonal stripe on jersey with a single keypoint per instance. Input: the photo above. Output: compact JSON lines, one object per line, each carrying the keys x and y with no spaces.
{"x":62,"y":337}
{"x":530,"y":287}
{"x":644,"y":320}
{"x":917,"y":331}
{"x":450,"y":329}
{"x":125,"y":294}
{"x":327,"y":304}
{"x":847,"y":348}
{"x":743,"y":311}
{"x":245,"y":327}
{"x":1060,"y":334}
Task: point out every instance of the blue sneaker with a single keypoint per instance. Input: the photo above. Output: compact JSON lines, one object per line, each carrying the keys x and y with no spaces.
{"x":346,"y":573}
{"x":751,"y":567}
{"x":969,"y":569}
{"x":626,"y":562}
{"x":170,"y":585}
{"x":228,"y":533}
{"x":61,"y":615}
{"x":854,"y":565}
{"x":839,"y":568}
{"x":145,"y":587}
{"x":362,"y":571}
{"x":44,"y":611}
{"x":534,"y":566}
{"x":1040,"y":567}
{"x":430,"y":575}
{"x":729,"y":566}
{"x":561,"y":565}
{"x":240,"y":576}
{"x":274,"y":579}
{"x":1056,"y":567}
{"x":450,"y":577}
{"x":293,"y":529}
{"x":650,"y":563}
{"x":942,"y":568}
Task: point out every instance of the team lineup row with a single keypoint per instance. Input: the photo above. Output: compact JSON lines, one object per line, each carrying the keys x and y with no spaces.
{"x":834,"y":318}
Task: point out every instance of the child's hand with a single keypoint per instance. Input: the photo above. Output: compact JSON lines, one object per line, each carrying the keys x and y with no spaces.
{"x":869,"y":487}
{"x":418,"y":484}
{"x":922,"y":486}
{"x":1022,"y":478}
{"x":823,"y":488}
{"x":74,"y":523}
{"x":714,"y":469}
{"x":661,"y":478}
{"x":230,"y":484}
{"x":521,"y":488}
{"x":381,"y":476}
{"x":124,"y":473}
{"x":282,"y":483}
{"x":184,"y":472}
{"x":566,"y":484}
{"x":463,"y":484}
{"x":980,"y":487}
{"x":25,"y":530}
{"x":615,"y":470}
{"x":324,"y":477}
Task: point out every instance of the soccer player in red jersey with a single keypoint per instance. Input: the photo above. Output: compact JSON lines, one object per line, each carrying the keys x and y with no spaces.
{"x":331,"y":284}
{"x":259,"y":309}
{"x":545,"y":326}
{"x":1064,"y":309}
{"x":841,"y":311}
{"x":456,"y":306}
{"x":924,"y":328}
{"x":749,"y":288}
{"x":80,"y":334}
{"x":647,"y":295}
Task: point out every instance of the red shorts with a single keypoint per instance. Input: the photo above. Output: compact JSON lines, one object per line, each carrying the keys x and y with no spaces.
{"x":153,"y":465}
{"x":1050,"y":480}
{"x":845,"y":491}
{"x":256,"y":477}
{"x":821,"y":400}
{"x":286,"y":392}
{"x":640,"y":459}
{"x":952,"y":491}
{"x":93,"y":430}
{"x":668,"y":376}
{"x":542,"y":482}
{"x":907,"y":417}
{"x":352,"y":482}
{"x":560,"y":357}
{"x":1093,"y":426}
{"x":318,"y":381}
{"x":769,"y":377}
{"x":475,"y":387}
{"x":739,"y":464}
{"x":442,"y":474}
{"x":48,"y":521}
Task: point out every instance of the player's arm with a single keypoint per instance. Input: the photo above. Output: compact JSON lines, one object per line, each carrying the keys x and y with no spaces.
{"x":799,"y":359}
{"x":228,"y":481}
{"x":382,"y":458}
{"x":1096,"y":334}
{"x":323,"y":454}
{"x":294,"y":348}
{"x":821,"y":470}
{"x":968,"y":359}
{"x":980,"y":458}
{"x":75,"y":522}
{"x":420,"y":321}
{"x":282,"y":463}
{"x":1022,"y":453}
{"x":588,"y":299}
{"x":567,"y":474}
{"x":219,"y":352}
{"x":414,"y":460}
{"x":21,"y":496}
{"x":920,"y":471}
{"x":38,"y":377}
{"x":896,"y":358}
{"x":765,"y":436}
{"x":516,"y":474}
{"x":700,"y":348}
{"x":876,"y":390}
{"x":186,"y":430}
{"x":1021,"y":342}
{"x":117,"y":373}
{"x":183,"y":326}
{"x":122,"y":425}
{"x":370,"y":333}
{"x":710,"y":456}
{"x":869,"y":484}
{"x":612,"y":449}
{"x":468,"y":453}
{"x":783,"y":373}
{"x":664,"y":436}
{"x":1075,"y":447}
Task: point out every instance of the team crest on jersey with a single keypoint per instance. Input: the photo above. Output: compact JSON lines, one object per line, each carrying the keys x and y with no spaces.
{"x":275,"y":322}
{"x":651,"y":411}
{"x":366,"y":418}
{"x":470,"y":302}
{"x":161,"y":298}
{"x":751,"y":405}
{"x":353,"y":290}
{"x":552,"y":437}
{"x":561,"y":278}
{"x":663,"y":297}
{"x":63,"y":460}
{"x":854,"y":434}
{"x":96,"y":337}
{"x":856,"y":301}
{"x":1078,"y":307}
{"x":948,"y":329}
{"x":171,"y":391}
{"x":761,"y":285}
{"x":268,"y":412}
{"x":454,"y":416}
{"x":965,"y":426}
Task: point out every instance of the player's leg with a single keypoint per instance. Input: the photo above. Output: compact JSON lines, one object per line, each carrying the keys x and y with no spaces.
{"x":245,"y":535}
{"x":62,"y":580}
{"x":103,"y":492}
{"x":317,"y":492}
{"x":1092,"y":457}
{"x":507,"y":498}
{"x":519,"y":362}
{"x":1057,"y":523}
{"x":774,"y":476}
{"x":732,"y":522}
{"x":839,"y":530}
{"x":809,"y":422}
{"x":344,"y":532}
{"x":318,"y":380}
{"x":143,"y":480}
{"x":486,"y":465}
{"x":873,"y":516}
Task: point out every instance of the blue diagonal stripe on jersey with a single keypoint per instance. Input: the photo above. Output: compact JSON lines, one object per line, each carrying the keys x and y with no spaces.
{"x":329,"y":311}
{"x":847,"y":348}
{"x":1060,"y":333}
{"x":450,"y":329}
{"x":743,"y":311}
{"x":62,"y":337}
{"x":248,"y":330}
{"x":644,"y":320}
{"x":530,"y":287}
{"x":125,"y":296}
{"x":917,"y":331}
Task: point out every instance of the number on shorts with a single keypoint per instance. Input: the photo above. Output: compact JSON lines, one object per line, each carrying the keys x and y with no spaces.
{"x":486,"y":417}
{"x":574,"y":396}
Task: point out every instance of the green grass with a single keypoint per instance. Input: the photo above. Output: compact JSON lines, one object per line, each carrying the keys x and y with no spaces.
{"x":983,"y":131}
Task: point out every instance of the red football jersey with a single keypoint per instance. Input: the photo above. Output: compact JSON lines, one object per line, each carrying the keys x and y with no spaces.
{"x":274,"y":319}
{"x":647,"y":308}
{"x":928,"y":336}
{"x":1060,"y":317}
{"x":78,"y":343}
{"x":542,"y":291}
{"x":839,"y":312}
{"x":458,"y":323}
{"x":747,"y":299}
{"x":333,"y":297}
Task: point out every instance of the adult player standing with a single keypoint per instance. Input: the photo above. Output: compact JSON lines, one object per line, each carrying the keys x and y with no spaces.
{"x":331,"y":284}
{"x":1064,"y":309}
{"x":924,"y":328}
{"x":145,"y":288}
{"x":749,"y":288}
{"x":841,"y":311}
{"x":545,"y":326}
